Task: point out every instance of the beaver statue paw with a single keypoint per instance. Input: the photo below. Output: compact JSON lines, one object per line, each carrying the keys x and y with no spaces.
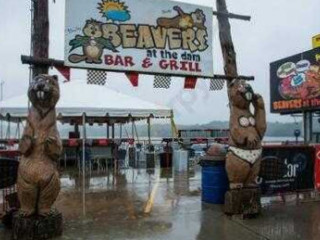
{"x":46,"y":212}
{"x":26,"y":212}
{"x":50,"y":140}
{"x":258,"y":101}
{"x":52,"y":148}
{"x":49,"y":143}
{"x":252,"y":141}
{"x":25,"y":146}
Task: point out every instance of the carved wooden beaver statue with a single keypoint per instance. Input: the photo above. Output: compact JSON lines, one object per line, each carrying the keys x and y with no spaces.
{"x":38,"y":179}
{"x":246,"y":132}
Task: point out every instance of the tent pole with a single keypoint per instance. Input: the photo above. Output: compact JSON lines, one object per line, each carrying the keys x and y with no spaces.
{"x":173,"y":126}
{"x":1,"y":129}
{"x":132,"y":128}
{"x":112,"y":131}
{"x":76,"y":128}
{"x":108,"y":133}
{"x":83,"y":162}
{"x":18,"y":130}
{"x":1,"y":99}
{"x":135,"y":129}
{"x":8,"y":129}
{"x":120,"y":131}
{"x":149,"y":131}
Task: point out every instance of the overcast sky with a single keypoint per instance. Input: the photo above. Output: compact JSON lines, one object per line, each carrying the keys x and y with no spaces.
{"x":279,"y":28}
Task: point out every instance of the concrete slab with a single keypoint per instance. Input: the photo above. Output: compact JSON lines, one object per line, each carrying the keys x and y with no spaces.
{"x":144,"y":204}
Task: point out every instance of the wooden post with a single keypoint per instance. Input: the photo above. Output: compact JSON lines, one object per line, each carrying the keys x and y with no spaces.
{"x":228,"y":52}
{"x":40,"y":37}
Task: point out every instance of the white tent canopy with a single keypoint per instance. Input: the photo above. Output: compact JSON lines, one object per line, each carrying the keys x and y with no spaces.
{"x":77,"y":98}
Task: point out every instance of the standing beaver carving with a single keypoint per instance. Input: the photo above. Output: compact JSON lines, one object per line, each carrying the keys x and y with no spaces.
{"x":38,"y":179}
{"x":246,"y":132}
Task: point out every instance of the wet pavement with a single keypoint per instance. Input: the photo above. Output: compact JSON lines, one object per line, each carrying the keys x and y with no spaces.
{"x":162,"y":204}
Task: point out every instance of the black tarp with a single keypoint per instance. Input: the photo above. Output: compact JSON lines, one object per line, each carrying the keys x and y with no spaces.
{"x":294,"y":165}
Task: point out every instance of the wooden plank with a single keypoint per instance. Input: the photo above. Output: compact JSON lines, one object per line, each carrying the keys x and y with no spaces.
{"x":53,"y":62}
{"x":37,"y":61}
{"x":232,"y":15}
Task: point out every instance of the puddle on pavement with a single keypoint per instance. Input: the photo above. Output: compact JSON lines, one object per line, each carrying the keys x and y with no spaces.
{"x":163,"y":204}
{"x":124,"y":202}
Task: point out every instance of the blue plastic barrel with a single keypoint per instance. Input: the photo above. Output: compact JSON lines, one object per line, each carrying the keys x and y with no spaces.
{"x":214,"y":181}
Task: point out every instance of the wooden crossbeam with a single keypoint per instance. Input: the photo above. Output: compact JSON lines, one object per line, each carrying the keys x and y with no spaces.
{"x":41,"y":61}
{"x":231,"y":15}
{"x":50,"y":62}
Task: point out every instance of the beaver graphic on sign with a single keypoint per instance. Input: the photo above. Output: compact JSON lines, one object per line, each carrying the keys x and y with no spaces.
{"x":92,"y":44}
{"x":184,"y":20}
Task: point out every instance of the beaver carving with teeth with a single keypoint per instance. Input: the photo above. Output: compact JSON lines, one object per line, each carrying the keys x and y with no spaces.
{"x":246,"y":132}
{"x":38,"y":179}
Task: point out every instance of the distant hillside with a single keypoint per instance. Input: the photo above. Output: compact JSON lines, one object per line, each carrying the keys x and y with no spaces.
{"x":164,"y":130}
{"x":275,"y":129}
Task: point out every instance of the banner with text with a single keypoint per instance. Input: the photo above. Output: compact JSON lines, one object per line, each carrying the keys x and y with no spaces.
{"x":157,"y":36}
{"x":296,"y":163}
{"x":295,"y":83}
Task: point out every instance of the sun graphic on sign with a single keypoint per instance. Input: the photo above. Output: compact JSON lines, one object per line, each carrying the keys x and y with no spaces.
{"x":114,"y":10}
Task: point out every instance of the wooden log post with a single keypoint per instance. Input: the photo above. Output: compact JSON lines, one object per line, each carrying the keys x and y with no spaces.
{"x":244,"y":201}
{"x":228,"y":52}
{"x":40,"y":36}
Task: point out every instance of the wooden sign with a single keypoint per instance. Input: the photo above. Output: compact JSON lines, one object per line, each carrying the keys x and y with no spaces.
{"x":158,"y":36}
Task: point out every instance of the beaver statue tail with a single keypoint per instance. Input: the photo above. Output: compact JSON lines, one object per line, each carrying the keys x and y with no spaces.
{"x":76,"y":58}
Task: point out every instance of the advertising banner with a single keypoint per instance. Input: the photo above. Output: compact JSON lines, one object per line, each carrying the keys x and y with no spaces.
{"x":295,"y":83}
{"x":317,"y":167}
{"x":298,"y":172}
{"x":316,"y":41}
{"x":157,"y":36}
